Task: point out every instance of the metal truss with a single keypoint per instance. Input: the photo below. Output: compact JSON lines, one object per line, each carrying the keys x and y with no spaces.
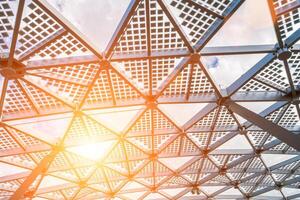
{"x":49,"y":69}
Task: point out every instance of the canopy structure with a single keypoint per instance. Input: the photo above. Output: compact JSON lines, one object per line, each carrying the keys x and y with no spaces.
{"x":145,"y":118}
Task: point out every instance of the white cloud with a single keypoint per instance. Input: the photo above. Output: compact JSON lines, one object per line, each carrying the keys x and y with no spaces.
{"x":96,"y":19}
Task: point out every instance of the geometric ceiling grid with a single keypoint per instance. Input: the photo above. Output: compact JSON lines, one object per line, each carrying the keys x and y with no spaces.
{"x":221,"y":150}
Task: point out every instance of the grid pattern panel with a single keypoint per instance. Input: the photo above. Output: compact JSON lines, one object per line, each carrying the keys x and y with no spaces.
{"x":180,"y":84}
{"x":207,"y":121}
{"x":161,"y":140}
{"x":101,"y":90}
{"x":144,"y":123}
{"x":289,"y":22}
{"x":67,"y":90}
{"x":200,"y":83}
{"x":65,"y":46}
{"x":10,"y":185}
{"x":271,"y":78}
{"x":134,"y":38}
{"x":6,"y":25}
{"x":281,"y":3}
{"x":290,"y":119}
{"x":195,"y":21}
{"x":201,"y":139}
{"x":258,"y":138}
{"x":137,"y":71}
{"x":15,"y":101}
{"x":253,"y":85}
{"x":6,"y":141}
{"x":188,"y":147}
{"x":294,"y":63}
{"x":79,"y":73}
{"x":78,"y":77}
{"x":77,"y":130}
{"x":224,"y":118}
{"x":25,"y":140}
{"x":161,"y":122}
{"x":122,"y":90}
{"x":218,"y":6}
{"x":163,"y":34}
{"x":161,"y":68}
{"x":41,"y":99}
{"x":85,"y":130}
{"x":36,"y":26}
{"x":22,"y":160}
{"x":144,"y":142}
{"x":274,"y":74}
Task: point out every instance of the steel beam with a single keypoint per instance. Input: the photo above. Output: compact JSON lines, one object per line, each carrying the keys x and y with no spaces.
{"x":60,"y":62}
{"x":275,"y":23}
{"x":26,"y":55}
{"x":15,"y":33}
{"x":149,"y":45}
{"x":273,"y":129}
{"x":206,"y":51}
{"x":121,"y":26}
{"x":201,"y":114}
{"x":240,"y":82}
{"x":235,"y":86}
{"x":172,"y":76}
{"x":54,"y":77}
{"x":285,"y":163}
{"x":41,"y":168}
{"x":203,"y":98}
{"x":203,"y":8}
{"x":255,"y":96}
{"x":237,"y":50}
{"x":260,"y":96}
{"x":176,"y":25}
{"x":4,"y":85}
{"x":292,"y":39}
{"x":67,"y":26}
{"x":176,"y":53}
{"x":268,"y":111}
{"x":218,"y":24}
{"x":14,"y":176}
{"x":29,"y":98}
{"x":46,"y":91}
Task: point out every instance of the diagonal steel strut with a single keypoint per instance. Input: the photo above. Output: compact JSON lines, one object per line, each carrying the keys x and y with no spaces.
{"x":274,"y":129}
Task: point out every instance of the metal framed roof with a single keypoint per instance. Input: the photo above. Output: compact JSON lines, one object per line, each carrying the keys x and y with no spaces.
{"x":225,"y":150}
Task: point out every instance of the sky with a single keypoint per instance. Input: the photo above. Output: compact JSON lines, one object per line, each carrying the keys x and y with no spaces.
{"x":96,"y":19}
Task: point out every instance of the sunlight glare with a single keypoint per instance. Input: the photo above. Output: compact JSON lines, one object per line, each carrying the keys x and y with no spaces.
{"x":94,"y":151}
